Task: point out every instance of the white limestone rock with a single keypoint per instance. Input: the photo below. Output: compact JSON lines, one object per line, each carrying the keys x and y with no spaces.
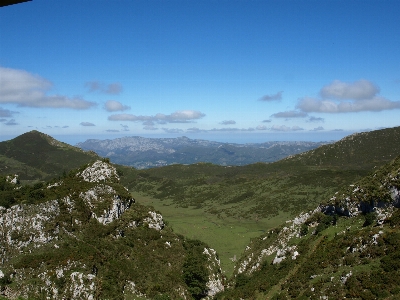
{"x":155,"y":221}
{"x":215,"y":279}
{"x":99,"y":171}
{"x":23,"y":227}
{"x":101,"y":194}
{"x":12,"y":179}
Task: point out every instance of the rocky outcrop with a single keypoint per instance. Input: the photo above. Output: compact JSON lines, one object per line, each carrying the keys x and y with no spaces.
{"x":104,"y":195}
{"x":215,"y":278}
{"x":155,"y":221}
{"x":99,"y":172}
{"x":73,"y":247}
{"x":23,"y":227}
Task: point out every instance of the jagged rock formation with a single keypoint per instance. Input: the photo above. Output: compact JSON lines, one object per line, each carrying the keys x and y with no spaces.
{"x":94,"y":242}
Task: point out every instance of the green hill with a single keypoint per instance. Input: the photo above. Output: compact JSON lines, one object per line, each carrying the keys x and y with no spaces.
{"x":37,"y":156}
{"x":84,"y":237}
{"x":349,"y":247}
{"x":264,"y":190}
{"x":206,"y":201}
{"x":226,"y":206}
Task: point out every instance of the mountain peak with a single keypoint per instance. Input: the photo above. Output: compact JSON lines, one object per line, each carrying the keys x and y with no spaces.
{"x":35,"y":155}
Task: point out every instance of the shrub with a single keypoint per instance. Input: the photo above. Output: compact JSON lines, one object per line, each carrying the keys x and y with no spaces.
{"x":369,"y":218}
{"x":303,"y":229}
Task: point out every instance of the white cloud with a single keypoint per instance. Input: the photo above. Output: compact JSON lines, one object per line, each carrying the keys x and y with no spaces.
{"x":318,"y":128}
{"x":97,"y":86}
{"x":330,"y":106}
{"x":358,"y":90}
{"x":150,"y":127}
{"x":172,"y":130}
{"x":87,"y":124}
{"x":185,"y":115}
{"x":25,"y":89}
{"x":232,"y":129}
{"x":274,"y":97}
{"x":182,"y":116}
{"x":285,"y":128}
{"x":112,"y":105}
{"x":290,"y":114}
{"x":342,"y":97}
{"x":114,"y":88}
{"x":228,"y":122}
{"x":112,"y":130}
{"x":261,"y":127}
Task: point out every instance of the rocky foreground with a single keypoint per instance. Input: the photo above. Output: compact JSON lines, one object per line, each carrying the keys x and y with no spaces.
{"x":93,"y":241}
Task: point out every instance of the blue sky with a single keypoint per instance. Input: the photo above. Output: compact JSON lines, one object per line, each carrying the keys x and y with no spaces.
{"x":237,"y":71}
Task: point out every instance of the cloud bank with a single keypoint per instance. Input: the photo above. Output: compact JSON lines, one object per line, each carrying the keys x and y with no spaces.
{"x":25,"y":89}
{"x":290,"y":114}
{"x":286,"y":128}
{"x":342,"y":97}
{"x":358,"y":90}
{"x":182,"y":116}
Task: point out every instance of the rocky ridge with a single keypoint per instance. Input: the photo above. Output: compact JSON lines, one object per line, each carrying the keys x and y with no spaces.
{"x":355,"y":224}
{"x":60,"y":248}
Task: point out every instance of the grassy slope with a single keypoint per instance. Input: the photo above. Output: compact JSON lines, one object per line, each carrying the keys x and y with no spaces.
{"x":228,"y":236}
{"x":252,"y":198}
{"x":255,"y":198}
{"x":369,"y":253}
{"x":34,"y":155}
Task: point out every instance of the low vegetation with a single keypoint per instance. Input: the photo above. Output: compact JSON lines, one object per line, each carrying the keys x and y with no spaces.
{"x":344,"y":248}
{"x":347,"y":252}
{"x":84,"y":238}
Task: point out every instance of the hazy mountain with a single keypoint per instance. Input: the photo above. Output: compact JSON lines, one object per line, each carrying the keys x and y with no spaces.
{"x":141,"y":152}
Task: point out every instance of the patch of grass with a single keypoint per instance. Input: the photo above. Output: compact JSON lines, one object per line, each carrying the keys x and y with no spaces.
{"x":227,"y":235}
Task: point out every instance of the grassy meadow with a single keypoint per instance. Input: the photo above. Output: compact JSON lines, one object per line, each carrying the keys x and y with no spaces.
{"x":227,"y":235}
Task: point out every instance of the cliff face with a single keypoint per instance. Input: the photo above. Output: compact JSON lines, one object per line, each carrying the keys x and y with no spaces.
{"x":93,"y":242}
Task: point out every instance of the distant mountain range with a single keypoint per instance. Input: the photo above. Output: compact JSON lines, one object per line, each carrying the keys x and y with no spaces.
{"x":143,"y":153}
